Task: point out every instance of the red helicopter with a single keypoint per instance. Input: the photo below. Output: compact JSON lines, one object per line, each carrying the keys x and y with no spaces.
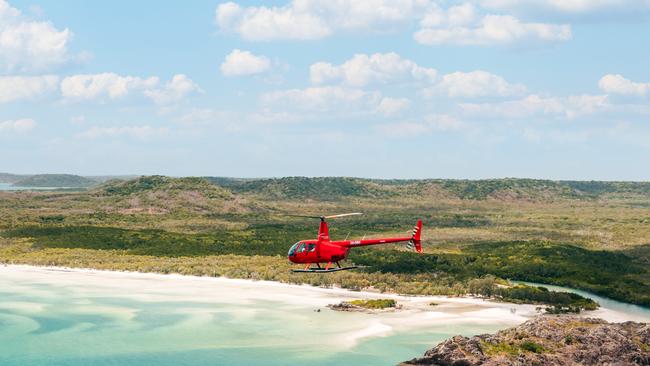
{"x":323,"y":250}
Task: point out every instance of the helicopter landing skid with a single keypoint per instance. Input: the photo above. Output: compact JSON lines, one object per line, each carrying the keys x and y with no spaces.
{"x":323,"y":270}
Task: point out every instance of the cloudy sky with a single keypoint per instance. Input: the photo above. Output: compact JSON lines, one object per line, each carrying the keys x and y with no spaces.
{"x":555,"y":89}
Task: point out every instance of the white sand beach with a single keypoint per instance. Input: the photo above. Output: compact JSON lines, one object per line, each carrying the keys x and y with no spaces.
{"x":416,"y":310}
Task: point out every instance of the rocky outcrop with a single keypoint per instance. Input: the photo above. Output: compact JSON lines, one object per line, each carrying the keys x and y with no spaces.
{"x":547,"y":340}
{"x":345,"y":306}
{"x":366,"y":306}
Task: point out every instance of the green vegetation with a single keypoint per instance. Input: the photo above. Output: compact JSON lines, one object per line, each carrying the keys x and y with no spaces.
{"x":150,"y":242}
{"x":532,"y":347}
{"x":157,"y":183}
{"x":323,"y":189}
{"x":511,"y":349}
{"x":605,"y":273}
{"x":55,"y":180}
{"x":482,"y":189}
{"x":501,"y":348}
{"x":539,"y":188}
{"x":477,"y":234}
{"x":562,"y":302}
{"x":332,"y":188}
{"x":374,"y":303}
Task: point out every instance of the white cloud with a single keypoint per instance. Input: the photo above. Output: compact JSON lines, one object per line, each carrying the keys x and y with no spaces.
{"x":105,"y":85}
{"x":459,"y":15}
{"x":239,"y":63}
{"x":490,"y":30}
{"x":569,"y":7}
{"x":264,"y":24}
{"x":474,"y":84}
{"x":579,"y":105}
{"x":96,"y":86}
{"x":362,"y":69}
{"x":27,"y":45}
{"x":323,"y":98}
{"x":314,"y":19}
{"x":534,"y":106}
{"x":463,"y":24}
{"x":391,"y":106}
{"x":322,"y":72}
{"x":617,"y":84}
{"x":139,"y":132}
{"x":17,"y":126}
{"x":390,"y":68}
{"x":175,"y":90}
{"x":14,"y":88}
{"x":111,"y":86}
{"x":430,"y":123}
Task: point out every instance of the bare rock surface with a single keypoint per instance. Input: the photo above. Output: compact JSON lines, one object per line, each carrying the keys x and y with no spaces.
{"x":548,"y":340}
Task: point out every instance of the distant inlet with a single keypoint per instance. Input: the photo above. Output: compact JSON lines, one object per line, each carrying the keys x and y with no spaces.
{"x":633,"y":312}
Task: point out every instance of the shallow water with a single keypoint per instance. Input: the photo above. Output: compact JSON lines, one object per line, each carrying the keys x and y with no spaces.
{"x":11,"y":187}
{"x":53,"y":317}
{"x":619,"y":311}
{"x":60,"y":317}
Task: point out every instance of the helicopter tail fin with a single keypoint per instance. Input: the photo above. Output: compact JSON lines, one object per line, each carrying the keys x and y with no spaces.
{"x":415,"y":238}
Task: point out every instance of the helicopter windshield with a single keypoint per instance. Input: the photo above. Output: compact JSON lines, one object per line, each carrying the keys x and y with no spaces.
{"x":292,"y":250}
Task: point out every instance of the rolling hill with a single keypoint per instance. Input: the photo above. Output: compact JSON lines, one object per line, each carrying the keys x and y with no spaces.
{"x":55,"y":180}
{"x":11,"y":178}
{"x":333,"y":188}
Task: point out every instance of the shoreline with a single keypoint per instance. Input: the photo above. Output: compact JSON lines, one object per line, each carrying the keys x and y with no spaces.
{"x":410,"y":303}
{"x":334,"y":290}
{"x":243,"y":298}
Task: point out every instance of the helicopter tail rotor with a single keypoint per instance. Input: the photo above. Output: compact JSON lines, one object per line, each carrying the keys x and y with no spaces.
{"x":416,"y":241}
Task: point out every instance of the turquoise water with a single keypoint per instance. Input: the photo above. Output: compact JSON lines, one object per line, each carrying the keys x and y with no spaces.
{"x":59,"y":317}
{"x":54,"y":317}
{"x":632,"y":312}
{"x":10,"y":187}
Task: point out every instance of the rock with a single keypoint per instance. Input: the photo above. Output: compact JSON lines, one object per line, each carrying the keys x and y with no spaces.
{"x":345,"y":306}
{"x":547,"y":340}
{"x":349,"y":306}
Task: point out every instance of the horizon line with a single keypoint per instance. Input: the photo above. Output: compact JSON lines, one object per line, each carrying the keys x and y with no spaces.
{"x":335,"y":176}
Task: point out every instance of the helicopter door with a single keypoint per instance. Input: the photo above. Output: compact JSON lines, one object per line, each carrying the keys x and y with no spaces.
{"x":302,"y":250}
{"x":311,"y":250}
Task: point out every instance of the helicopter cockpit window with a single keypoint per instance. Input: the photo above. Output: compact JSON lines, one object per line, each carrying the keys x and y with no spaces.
{"x":311,"y":247}
{"x":292,"y":250}
{"x":301,"y":248}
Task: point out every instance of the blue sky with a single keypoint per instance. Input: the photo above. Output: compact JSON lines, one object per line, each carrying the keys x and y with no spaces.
{"x":556,"y":89}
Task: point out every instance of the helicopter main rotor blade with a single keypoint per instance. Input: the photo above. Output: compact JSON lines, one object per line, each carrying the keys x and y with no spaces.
{"x":326,"y":217}
{"x":343,"y":215}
